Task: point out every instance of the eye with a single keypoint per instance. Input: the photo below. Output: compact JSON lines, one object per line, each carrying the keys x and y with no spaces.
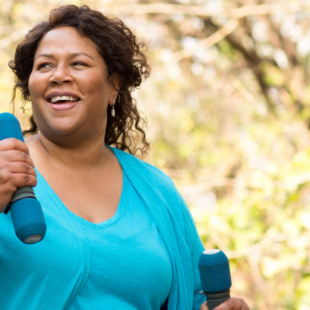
{"x":45,"y":65}
{"x":79,"y":63}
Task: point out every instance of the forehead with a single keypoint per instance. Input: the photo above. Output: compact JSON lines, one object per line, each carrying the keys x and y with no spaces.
{"x":65,"y":40}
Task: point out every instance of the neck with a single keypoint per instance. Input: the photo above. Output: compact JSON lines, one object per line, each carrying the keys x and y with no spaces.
{"x":85,"y":156}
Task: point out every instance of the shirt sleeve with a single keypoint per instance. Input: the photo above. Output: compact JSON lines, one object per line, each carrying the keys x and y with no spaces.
{"x":196,"y":248}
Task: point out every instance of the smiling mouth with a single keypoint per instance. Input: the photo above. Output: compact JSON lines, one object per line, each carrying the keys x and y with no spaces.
{"x":62,"y":99}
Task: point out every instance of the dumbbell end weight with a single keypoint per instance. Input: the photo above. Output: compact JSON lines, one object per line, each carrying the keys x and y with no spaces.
{"x":28,"y":220}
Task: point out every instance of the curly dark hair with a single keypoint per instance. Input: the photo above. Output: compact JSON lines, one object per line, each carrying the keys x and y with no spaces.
{"x":122,"y":54}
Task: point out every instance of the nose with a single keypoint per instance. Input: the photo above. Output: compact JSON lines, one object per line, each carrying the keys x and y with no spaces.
{"x":61,"y":75}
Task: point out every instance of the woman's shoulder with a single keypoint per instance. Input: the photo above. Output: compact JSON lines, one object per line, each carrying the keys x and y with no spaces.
{"x":151,"y":173}
{"x":159,"y":183}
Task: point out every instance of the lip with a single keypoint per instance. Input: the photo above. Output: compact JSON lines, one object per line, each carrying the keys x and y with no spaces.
{"x":68,"y":105}
{"x":61,"y":93}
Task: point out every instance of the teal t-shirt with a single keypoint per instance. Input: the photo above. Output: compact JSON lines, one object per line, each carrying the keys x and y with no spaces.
{"x":121,"y":263}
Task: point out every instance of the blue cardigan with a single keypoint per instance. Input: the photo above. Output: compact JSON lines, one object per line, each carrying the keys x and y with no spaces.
{"x":176,"y":226}
{"x":36,"y":277}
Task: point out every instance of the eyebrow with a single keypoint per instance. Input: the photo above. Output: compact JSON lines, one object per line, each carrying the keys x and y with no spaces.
{"x":51,"y":56}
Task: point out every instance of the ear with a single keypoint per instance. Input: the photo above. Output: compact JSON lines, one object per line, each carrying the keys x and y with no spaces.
{"x":115,"y":85}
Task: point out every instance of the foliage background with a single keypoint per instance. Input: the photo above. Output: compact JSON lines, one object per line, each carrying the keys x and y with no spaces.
{"x":228,"y":107}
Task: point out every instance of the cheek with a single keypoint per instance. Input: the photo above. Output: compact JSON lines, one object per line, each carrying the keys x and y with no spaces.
{"x":98,"y":85}
{"x":30,"y":84}
{"x":34,"y":86}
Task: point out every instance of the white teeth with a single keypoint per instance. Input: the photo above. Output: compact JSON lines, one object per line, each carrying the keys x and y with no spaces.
{"x":67,"y":98}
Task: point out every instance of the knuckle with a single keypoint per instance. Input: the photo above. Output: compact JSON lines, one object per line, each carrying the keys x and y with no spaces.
{"x":1,"y":176}
{"x":12,"y":143}
{"x":7,"y":185}
{"x":230,"y":302}
{"x":11,"y":189}
{"x":8,"y":143}
{"x":26,"y":178}
{"x":5,"y":176}
{"x":23,"y":156}
{"x":243,"y":303}
{"x":26,"y":167}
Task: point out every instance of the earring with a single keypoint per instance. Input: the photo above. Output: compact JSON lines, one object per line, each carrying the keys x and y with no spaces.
{"x":113,"y":110}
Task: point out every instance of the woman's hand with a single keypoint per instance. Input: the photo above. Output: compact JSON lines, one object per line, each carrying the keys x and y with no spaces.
{"x":232,"y":303}
{"x":16,"y":169}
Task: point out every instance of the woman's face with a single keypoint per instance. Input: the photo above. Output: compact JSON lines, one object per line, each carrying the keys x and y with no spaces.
{"x":68,"y":85}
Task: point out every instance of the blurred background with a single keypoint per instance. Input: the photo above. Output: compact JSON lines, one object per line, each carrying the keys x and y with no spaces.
{"x":228,"y":108}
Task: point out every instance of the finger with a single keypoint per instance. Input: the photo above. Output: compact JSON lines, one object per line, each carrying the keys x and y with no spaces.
{"x":232,"y":303}
{"x":22,"y":180}
{"x":19,"y":167}
{"x":204,"y":306}
{"x":226,"y":305}
{"x":16,"y":181}
{"x":17,"y":156}
{"x":13,"y":144}
{"x":244,"y":305}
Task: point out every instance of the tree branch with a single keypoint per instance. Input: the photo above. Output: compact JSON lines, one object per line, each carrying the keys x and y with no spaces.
{"x":287,"y":184}
{"x":209,"y":41}
{"x":13,"y":37}
{"x":163,"y":8}
{"x":265,"y":243}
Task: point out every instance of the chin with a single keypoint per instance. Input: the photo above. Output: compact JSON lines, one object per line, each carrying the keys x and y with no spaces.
{"x":60,"y":127}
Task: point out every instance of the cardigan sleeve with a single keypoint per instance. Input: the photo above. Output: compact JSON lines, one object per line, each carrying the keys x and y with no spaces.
{"x":196,"y":248}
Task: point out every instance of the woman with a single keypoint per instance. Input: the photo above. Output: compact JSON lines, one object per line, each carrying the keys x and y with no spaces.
{"x":119,"y":234}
